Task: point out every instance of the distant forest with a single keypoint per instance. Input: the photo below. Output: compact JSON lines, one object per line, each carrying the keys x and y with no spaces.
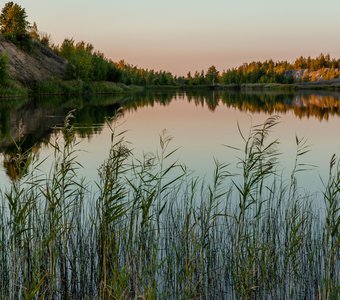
{"x":88,"y":64}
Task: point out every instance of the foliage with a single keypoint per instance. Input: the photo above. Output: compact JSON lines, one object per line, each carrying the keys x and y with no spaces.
{"x":211,"y":77}
{"x":77,"y":87}
{"x":84,"y":62}
{"x":133,"y":75}
{"x":34,"y":32}
{"x":13,"y":20}
{"x":89,"y":65}
{"x":3,"y":69}
{"x":14,"y":25}
{"x":13,"y":90}
{"x":304,"y":69}
{"x":283,"y":71}
{"x":18,"y":30}
{"x":38,"y":36}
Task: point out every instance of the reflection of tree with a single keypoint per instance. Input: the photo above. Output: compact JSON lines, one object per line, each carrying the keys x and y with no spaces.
{"x":90,"y":119}
{"x":15,"y":166}
{"x":38,"y":119}
{"x":302,"y":105}
{"x":40,"y":116}
{"x":4,"y":123}
{"x":321,"y":106}
{"x":148,"y":99}
{"x":17,"y":157}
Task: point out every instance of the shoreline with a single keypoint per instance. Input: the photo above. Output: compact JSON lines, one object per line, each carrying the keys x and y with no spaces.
{"x":70,"y":88}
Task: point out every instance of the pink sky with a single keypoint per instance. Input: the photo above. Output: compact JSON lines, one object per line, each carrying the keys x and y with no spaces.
{"x":181,"y":36}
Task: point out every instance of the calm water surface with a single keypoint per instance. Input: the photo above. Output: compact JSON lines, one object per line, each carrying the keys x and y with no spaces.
{"x":200,"y":124}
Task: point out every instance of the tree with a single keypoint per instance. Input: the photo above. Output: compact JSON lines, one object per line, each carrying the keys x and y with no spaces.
{"x":79,"y":57}
{"x":13,"y":20}
{"x":99,"y":67}
{"x":34,"y":32}
{"x":45,"y":39}
{"x":212,"y":75}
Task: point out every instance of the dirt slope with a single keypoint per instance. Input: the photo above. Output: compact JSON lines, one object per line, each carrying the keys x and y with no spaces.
{"x":27,"y":68}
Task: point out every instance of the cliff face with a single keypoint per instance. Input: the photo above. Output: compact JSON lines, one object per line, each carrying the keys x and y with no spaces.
{"x":39,"y":65}
{"x":319,"y":76}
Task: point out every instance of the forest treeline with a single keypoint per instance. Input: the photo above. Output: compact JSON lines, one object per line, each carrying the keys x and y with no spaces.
{"x":303,"y":69}
{"x":87,"y":64}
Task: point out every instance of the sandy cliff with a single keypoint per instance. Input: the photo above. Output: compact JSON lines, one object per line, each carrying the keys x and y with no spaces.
{"x":41,"y":64}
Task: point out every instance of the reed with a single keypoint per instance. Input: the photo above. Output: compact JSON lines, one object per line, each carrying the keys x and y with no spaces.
{"x":151,"y":230}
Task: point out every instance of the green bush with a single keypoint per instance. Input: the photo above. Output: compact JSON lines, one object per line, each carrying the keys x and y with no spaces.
{"x":3,"y":69}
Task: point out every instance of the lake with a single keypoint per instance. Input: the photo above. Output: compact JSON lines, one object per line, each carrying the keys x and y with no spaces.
{"x":201,"y":123}
{"x":143,"y":229}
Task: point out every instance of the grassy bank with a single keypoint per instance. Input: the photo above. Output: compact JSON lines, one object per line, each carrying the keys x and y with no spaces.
{"x":79,"y":87}
{"x":65,"y":88}
{"x":151,"y":231}
{"x":12,"y":90}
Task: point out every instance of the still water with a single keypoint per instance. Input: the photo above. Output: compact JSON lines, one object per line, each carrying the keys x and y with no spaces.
{"x":201,"y":124}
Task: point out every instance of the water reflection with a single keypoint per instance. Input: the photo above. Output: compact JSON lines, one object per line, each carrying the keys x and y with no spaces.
{"x":304,"y":104}
{"x":31,"y":124}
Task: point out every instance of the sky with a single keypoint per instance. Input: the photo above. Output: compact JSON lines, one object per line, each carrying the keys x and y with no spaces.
{"x":188,"y":35}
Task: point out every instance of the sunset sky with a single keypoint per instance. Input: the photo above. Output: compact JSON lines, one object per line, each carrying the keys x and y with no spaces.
{"x":188,"y":35}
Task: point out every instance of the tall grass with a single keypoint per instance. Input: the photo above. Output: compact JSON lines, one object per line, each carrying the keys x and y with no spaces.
{"x":79,"y":87}
{"x":150,"y":230}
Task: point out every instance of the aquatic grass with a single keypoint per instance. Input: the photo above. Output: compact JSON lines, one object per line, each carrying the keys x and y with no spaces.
{"x":258,"y":164}
{"x":331,"y":287}
{"x":151,"y":230}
